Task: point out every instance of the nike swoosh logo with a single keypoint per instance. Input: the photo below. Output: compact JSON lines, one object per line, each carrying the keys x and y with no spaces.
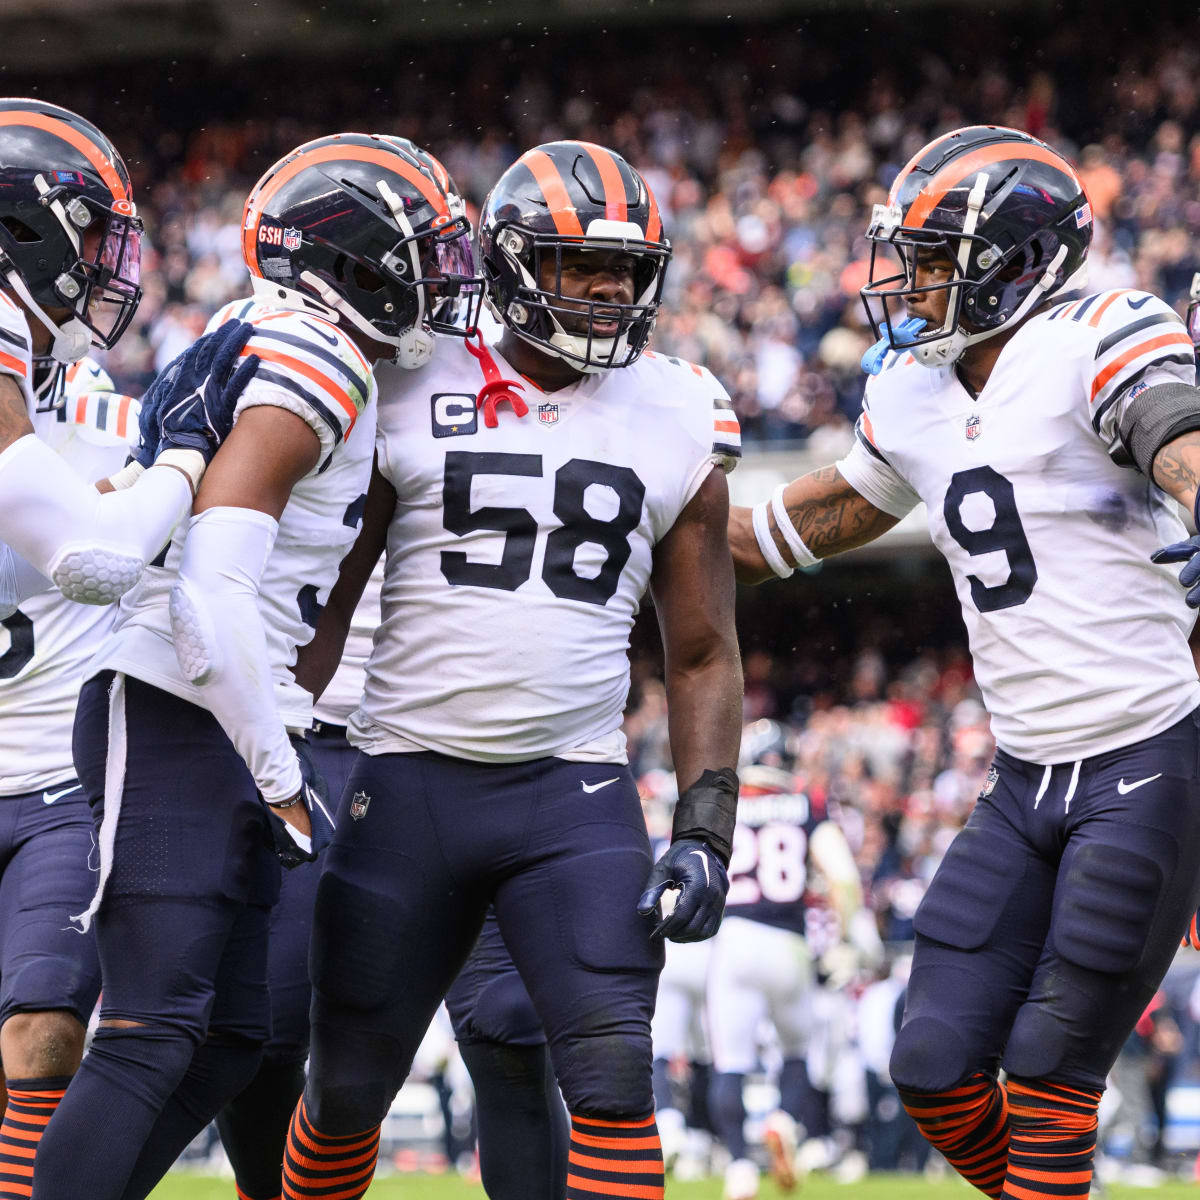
{"x":333,"y":341}
{"x":1125,"y":788}
{"x":704,"y":859}
{"x":1138,"y":304}
{"x":50,"y":797}
{"x":595,"y":787}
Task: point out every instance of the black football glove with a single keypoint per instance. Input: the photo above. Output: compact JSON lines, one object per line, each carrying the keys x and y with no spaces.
{"x":190,"y":405}
{"x":1187,"y":553}
{"x":691,"y":866}
{"x":291,"y":846}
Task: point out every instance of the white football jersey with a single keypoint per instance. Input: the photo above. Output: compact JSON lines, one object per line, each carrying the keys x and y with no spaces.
{"x":16,"y":348}
{"x":1079,"y":641}
{"x":518,"y":555}
{"x":312,"y":369}
{"x":47,"y":642}
{"x":345,"y":690}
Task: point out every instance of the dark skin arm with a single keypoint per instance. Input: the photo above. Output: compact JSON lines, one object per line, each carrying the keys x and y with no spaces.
{"x":317,"y":662}
{"x":828,"y":513}
{"x":693,"y":590}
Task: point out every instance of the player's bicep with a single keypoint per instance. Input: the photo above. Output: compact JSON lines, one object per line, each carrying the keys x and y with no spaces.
{"x":692,"y":580}
{"x":268,"y":452}
{"x":14,"y":413}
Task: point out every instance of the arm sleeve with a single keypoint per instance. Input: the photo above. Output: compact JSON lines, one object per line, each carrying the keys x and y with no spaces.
{"x":1140,"y":343}
{"x":93,"y":547}
{"x":870,"y":474}
{"x":222,"y":645}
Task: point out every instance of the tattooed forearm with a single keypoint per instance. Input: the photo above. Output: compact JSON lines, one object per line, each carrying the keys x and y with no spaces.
{"x":830,"y":516}
{"x":1177,"y":468}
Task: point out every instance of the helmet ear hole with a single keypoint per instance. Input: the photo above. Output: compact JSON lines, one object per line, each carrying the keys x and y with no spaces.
{"x":20,"y":231}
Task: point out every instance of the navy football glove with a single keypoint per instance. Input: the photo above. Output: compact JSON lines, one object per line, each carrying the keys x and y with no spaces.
{"x":693,"y":867}
{"x":1187,"y":553}
{"x":905,"y":332}
{"x":291,"y":846}
{"x":190,"y":405}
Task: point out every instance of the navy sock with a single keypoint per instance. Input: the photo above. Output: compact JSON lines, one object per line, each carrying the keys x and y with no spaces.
{"x":109,"y":1110}
{"x":799,"y":1099}
{"x":220,"y":1068}
{"x":698,"y":1116}
{"x":728,"y":1111}
{"x":523,"y":1130}
{"x":254,"y":1127}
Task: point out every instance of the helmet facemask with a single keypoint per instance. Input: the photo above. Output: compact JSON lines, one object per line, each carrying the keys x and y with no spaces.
{"x":100,"y":277}
{"x":566,"y":327}
{"x":991,"y":287}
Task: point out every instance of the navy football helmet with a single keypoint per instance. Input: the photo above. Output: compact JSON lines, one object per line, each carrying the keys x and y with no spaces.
{"x":70,"y":236}
{"x":1007,"y":211}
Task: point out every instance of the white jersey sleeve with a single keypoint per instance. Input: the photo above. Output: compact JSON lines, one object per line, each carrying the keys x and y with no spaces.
{"x":866,"y":469}
{"x":307,"y":366}
{"x":16,"y":348}
{"x":1140,"y":341}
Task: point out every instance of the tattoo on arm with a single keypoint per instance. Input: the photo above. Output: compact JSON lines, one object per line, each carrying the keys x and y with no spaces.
{"x":829,"y":515}
{"x":1177,"y":468}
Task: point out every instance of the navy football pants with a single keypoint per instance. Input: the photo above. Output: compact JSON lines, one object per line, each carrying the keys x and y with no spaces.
{"x":1054,"y":916}
{"x":424,"y":843}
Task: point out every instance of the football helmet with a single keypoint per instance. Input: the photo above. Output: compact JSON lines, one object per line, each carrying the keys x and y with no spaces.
{"x":70,"y":236}
{"x":1007,"y":211}
{"x":1193,"y":315}
{"x":352,"y":228}
{"x":572,"y":196}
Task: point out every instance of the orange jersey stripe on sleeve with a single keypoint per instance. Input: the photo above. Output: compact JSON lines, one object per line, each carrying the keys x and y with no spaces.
{"x":1178,"y":338}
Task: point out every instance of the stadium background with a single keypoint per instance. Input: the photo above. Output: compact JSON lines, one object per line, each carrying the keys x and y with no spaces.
{"x":767,"y":129}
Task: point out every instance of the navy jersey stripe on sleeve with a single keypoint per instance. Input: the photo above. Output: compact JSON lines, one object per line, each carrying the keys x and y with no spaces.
{"x":290,"y":385}
{"x":1127,"y":331}
{"x":1135,"y":378}
{"x":325,"y":356}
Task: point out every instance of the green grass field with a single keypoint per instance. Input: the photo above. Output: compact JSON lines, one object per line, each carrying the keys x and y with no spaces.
{"x":817,"y":1187}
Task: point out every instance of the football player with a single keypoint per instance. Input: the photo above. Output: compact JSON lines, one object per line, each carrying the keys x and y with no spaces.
{"x":762,"y":968}
{"x":528,"y":493}
{"x":182,"y":730}
{"x":49,"y":975}
{"x":1047,"y":431}
{"x":70,"y":263}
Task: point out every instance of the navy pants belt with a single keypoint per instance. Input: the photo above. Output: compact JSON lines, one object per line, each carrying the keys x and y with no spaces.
{"x":1054,"y":916}
{"x":424,"y":844}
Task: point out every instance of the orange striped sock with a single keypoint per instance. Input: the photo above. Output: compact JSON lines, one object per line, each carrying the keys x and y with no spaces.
{"x":31,"y":1104}
{"x":969,"y":1125}
{"x":332,"y":1168}
{"x":614,"y":1159}
{"x":1053,"y":1141}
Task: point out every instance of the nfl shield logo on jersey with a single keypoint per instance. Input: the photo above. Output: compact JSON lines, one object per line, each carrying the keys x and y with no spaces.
{"x":291,"y":239}
{"x":548,"y":414}
{"x":973,"y":430}
{"x":359,"y":805}
{"x":989,"y":783}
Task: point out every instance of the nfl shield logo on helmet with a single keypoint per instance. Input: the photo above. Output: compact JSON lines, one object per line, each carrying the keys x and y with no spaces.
{"x":359,"y":805}
{"x":973,"y":430}
{"x":548,"y":414}
{"x":291,"y":239}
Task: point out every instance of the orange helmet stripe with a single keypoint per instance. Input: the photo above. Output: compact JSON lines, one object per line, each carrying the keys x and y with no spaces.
{"x":70,"y":134}
{"x":545,"y":174}
{"x":269,"y":185}
{"x":616,"y":208}
{"x":957,"y":172}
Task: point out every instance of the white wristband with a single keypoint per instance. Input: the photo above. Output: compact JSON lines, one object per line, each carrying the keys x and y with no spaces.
{"x":766,"y":543}
{"x":127,"y":476}
{"x":800,"y":552}
{"x":190,"y":462}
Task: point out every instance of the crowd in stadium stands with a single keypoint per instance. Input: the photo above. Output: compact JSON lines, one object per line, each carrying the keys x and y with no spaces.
{"x":766,"y":155}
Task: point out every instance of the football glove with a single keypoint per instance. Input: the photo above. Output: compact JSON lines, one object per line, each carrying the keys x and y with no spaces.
{"x":694,"y":868}
{"x":1187,"y":553}
{"x":1192,"y":937}
{"x":291,"y":846}
{"x":189,"y":406}
{"x":903,"y":334}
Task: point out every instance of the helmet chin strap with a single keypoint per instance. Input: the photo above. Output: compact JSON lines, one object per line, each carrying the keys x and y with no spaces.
{"x":72,"y":339}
